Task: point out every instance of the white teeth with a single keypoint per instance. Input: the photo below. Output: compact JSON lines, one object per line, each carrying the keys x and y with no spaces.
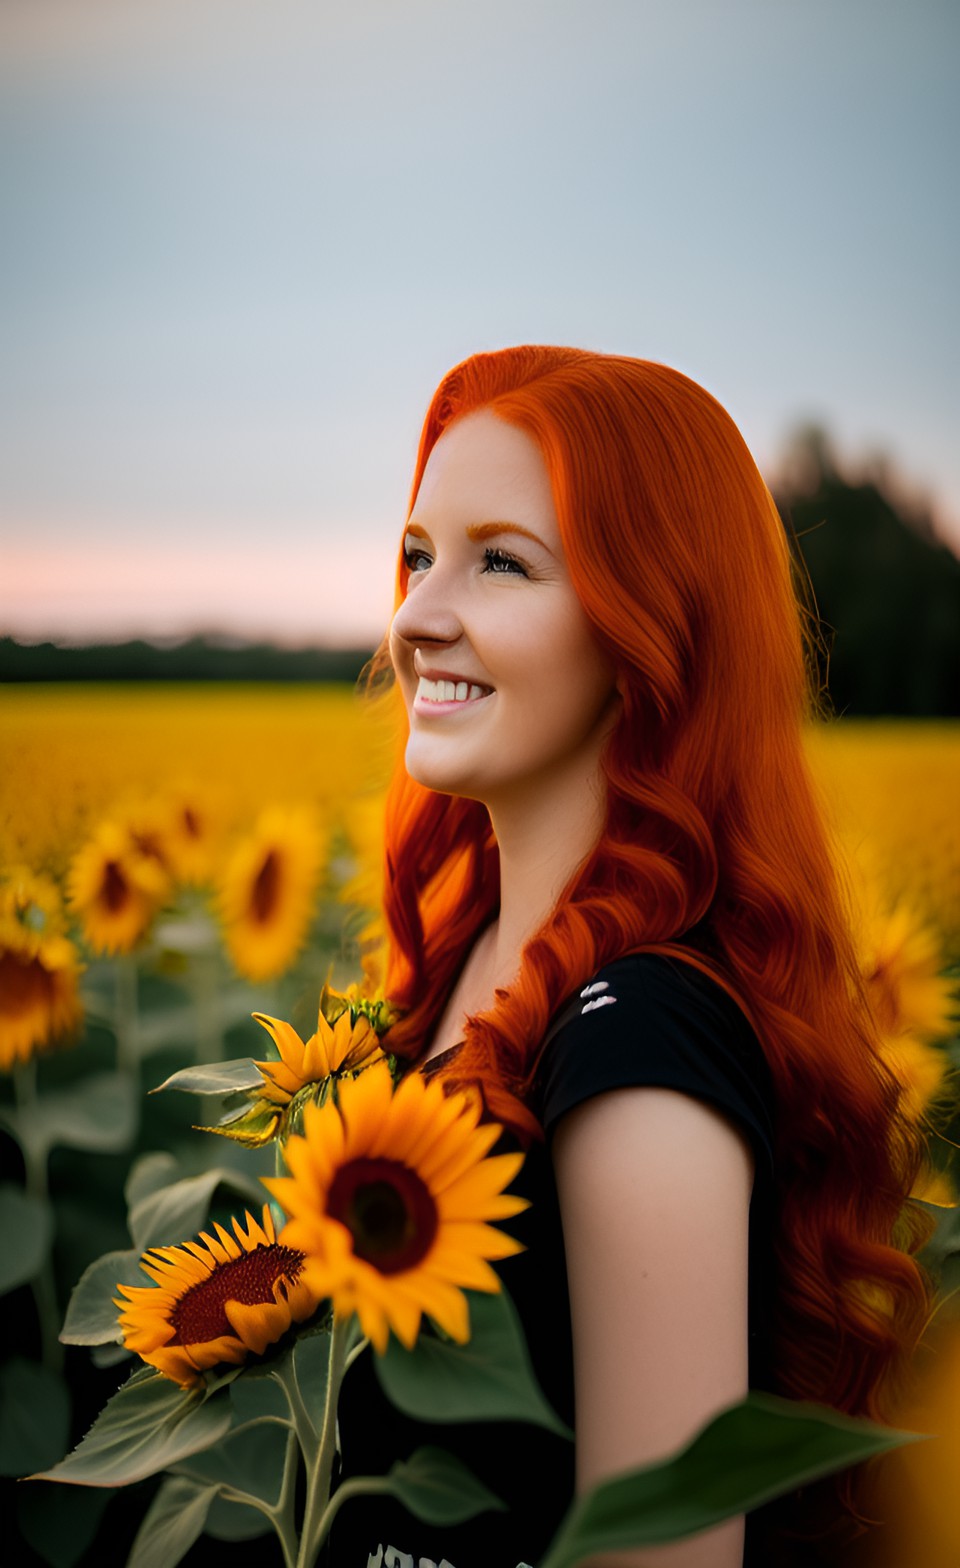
{"x":448,"y":691}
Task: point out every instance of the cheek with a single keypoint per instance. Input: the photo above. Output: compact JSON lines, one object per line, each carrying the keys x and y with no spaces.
{"x":579,"y":675}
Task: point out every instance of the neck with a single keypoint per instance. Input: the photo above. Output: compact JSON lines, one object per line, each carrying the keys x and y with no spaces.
{"x":543,"y":835}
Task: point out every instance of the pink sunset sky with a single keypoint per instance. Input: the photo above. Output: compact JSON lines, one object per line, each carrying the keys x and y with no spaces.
{"x":243,"y":240}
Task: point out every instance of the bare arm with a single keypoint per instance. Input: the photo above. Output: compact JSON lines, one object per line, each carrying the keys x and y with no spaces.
{"x":654,"y":1191}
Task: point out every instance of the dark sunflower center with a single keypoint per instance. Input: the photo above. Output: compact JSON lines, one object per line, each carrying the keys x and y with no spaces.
{"x":115,"y":888}
{"x":25,"y":986}
{"x":388,"y":1210}
{"x":265,"y":889}
{"x":199,"y":1317}
{"x":150,"y":846}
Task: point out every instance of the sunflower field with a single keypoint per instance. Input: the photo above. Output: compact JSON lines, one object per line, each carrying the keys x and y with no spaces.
{"x":182,"y":870}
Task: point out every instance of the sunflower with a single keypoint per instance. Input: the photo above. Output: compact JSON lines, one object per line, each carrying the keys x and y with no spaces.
{"x":902,"y":968}
{"x":215,"y":1301}
{"x":935,"y":1186}
{"x":39,"y":968}
{"x":191,"y":835}
{"x":920,"y":1069}
{"x":389,"y":1195}
{"x":116,"y":888}
{"x":266,"y":892}
{"x":346,"y":1042}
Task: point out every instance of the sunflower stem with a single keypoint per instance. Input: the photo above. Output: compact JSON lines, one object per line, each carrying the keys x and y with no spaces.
{"x":320,"y":1473}
{"x":302,"y":1424}
{"x":284,"y":1514}
{"x":43,"y":1285}
{"x":357,"y":1350}
{"x":357,"y":1486}
{"x":281,"y":1515}
{"x":206,"y":1001}
{"x":125,"y":1016}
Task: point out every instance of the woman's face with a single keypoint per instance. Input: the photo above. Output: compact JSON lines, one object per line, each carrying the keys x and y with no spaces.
{"x":505,"y":688}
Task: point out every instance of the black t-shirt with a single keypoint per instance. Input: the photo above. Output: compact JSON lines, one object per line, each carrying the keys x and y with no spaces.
{"x":645,"y":1019}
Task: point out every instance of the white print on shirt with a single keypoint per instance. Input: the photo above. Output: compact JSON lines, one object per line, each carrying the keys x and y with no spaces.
{"x":394,"y":1559}
{"x":597,"y":1001}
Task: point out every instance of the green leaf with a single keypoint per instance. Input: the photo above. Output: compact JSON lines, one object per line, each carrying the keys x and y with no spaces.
{"x":160,"y":1218}
{"x":97,"y":1113}
{"x":250,"y":1461}
{"x":311,"y":1364}
{"x":235,"y":1521}
{"x":61,"y":1523}
{"x":254,"y":1394}
{"x":26,"y":1235}
{"x":487,"y":1379}
{"x":92,"y":1317}
{"x":176,"y":1213}
{"x":438,"y":1488}
{"x":172,"y":1523}
{"x":753,"y":1451}
{"x":148,"y":1425}
{"x":214,"y":1078}
{"x":34,"y":1416}
{"x":148,"y":1174}
{"x":941,"y":1253}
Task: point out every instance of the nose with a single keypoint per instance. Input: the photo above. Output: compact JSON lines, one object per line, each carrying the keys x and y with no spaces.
{"x":427,"y":614}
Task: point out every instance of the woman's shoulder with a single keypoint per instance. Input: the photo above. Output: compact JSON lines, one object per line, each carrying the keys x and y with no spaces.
{"x":654,"y":1019}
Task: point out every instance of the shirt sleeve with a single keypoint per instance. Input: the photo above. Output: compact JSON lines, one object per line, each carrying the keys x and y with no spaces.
{"x":647,"y":1020}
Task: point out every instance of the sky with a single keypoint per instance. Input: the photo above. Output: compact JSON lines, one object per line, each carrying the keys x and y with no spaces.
{"x":242,"y":240}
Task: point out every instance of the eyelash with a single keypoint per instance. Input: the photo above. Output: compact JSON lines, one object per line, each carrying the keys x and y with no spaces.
{"x":490,"y":556}
{"x":495,"y":560}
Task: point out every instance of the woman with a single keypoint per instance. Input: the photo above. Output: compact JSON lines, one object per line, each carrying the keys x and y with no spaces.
{"x":610,"y":903}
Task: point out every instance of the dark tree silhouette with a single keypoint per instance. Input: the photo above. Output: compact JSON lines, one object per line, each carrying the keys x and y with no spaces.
{"x":887,"y":590}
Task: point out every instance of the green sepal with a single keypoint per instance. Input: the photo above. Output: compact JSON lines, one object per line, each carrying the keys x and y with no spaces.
{"x":253,"y":1128}
{"x":380,"y":1014}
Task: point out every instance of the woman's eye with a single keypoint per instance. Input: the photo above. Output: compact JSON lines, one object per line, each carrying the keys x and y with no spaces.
{"x":413,"y":559}
{"x":498,"y":561}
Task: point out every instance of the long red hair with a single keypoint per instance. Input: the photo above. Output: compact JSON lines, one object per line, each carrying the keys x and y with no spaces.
{"x":682,"y":565}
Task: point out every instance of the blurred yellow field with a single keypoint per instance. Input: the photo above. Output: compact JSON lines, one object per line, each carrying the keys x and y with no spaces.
{"x":175,"y":859}
{"x":73,"y":754}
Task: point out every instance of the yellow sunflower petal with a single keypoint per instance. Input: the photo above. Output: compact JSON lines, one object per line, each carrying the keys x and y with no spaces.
{"x":388,"y":1197}
{"x":464,"y":1268}
{"x":220,"y":1299}
{"x":443,"y":1166}
{"x":260,"y":1325}
{"x":446,"y":1305}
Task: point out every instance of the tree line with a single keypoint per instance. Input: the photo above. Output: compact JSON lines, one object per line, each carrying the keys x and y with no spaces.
{"x":882,"y":590}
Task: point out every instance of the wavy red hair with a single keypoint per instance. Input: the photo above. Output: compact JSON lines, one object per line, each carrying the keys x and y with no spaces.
{"x":682,"y":565}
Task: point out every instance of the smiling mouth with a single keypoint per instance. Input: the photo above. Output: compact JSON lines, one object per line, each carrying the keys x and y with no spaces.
{"x":450,"y":691}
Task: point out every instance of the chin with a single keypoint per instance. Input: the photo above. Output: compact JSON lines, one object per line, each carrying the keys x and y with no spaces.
{"x":443,"y":780}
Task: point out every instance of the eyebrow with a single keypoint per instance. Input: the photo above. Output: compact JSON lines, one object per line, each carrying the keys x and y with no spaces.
{"x":479,"y":531}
